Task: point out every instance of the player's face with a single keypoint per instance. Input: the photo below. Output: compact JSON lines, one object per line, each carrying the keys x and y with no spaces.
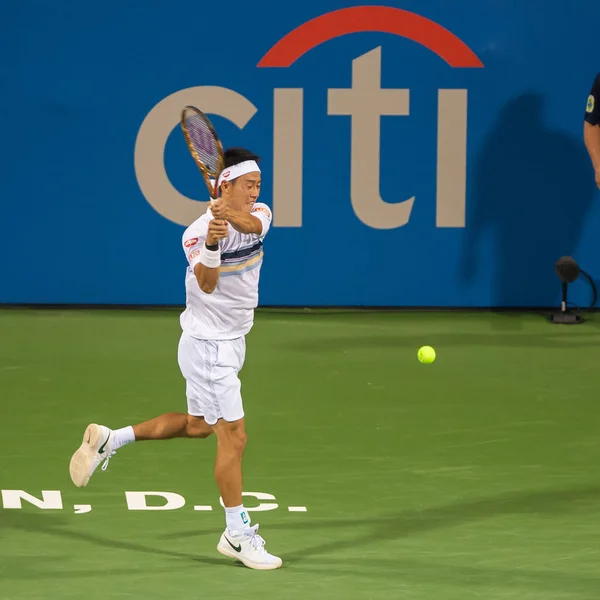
{"x":245,"y":191}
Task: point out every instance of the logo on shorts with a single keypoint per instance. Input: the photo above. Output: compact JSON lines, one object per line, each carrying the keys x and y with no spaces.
{"x":590,"y":104}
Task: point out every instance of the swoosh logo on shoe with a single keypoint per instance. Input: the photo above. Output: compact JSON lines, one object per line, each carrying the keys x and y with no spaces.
{"x":101,"y":449}
{"x":237,"y":548}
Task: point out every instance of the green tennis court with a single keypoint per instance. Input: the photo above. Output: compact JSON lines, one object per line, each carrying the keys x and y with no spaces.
{"x":476,"y":477}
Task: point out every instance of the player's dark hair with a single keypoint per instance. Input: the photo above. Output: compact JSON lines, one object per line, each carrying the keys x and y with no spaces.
{"x":233,"y":156}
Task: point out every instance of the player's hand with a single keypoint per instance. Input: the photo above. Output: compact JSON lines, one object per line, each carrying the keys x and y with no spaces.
{"x":217,"y":230}
{"x":219,"y":209}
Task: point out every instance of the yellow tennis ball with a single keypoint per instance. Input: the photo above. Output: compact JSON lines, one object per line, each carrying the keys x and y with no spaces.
{"x":426,"y":354}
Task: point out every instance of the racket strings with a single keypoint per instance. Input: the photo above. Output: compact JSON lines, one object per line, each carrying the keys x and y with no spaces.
{"x":203,"y":141}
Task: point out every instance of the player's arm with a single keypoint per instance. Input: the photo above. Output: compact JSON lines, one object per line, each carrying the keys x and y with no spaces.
{"x":244,"y":222}
{"x":256,"y":222}
{"x":591,"y":127}
{"x":208,"y":276}
{"x":204,"y":255}
{"x":209,"y":265}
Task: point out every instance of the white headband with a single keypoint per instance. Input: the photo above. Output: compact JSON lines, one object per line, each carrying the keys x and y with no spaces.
{"x":235,"y":171}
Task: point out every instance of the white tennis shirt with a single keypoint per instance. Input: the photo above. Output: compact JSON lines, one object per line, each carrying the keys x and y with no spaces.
{"x":228,"y":312}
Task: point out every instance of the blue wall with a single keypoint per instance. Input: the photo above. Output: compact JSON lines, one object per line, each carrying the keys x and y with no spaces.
{"x":80,"y":79}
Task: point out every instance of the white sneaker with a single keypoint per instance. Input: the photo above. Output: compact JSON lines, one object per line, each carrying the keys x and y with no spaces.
{"x":248,"y":547}
{"x":96,"y":448}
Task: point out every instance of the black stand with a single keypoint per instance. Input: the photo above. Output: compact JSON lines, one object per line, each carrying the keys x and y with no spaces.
{"x":564,"y":317}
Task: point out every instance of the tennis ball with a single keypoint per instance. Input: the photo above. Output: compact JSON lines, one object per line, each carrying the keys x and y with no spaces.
{"x":426,"y":354}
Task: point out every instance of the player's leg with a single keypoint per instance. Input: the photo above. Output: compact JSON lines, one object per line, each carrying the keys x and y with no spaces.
{"x":172,"y":425}
{"x":231,"y":441}
{"x":240,"y":540}
{"x":100,"y":443}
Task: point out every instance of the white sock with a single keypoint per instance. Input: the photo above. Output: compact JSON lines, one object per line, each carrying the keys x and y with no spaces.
{"x":237,"y":518}
{"x":123,"y":436}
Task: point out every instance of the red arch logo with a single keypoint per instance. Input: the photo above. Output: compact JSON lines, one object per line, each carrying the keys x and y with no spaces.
{"x":359,"y":19}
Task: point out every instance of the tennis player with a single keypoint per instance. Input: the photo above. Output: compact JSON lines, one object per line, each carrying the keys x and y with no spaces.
{"x":224,"y":250}
{"x":591,"y":127}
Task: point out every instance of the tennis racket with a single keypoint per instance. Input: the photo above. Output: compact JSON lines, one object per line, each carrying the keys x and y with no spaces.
{"x":204,"y":145}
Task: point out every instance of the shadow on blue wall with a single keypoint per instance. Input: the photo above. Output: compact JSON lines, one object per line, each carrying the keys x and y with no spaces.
{"x":531,"y":190}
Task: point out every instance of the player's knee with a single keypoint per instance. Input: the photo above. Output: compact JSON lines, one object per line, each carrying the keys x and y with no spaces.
{"x":235,"y":442}
{"x":241,"y":440}
{"x":231,"y":437}
{"x":197,"y":427}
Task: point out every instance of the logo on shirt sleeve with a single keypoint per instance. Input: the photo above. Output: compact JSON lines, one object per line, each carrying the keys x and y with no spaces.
{"x":194,"y":253}
{"x":590,"y":104}
{"x":191,"y":242}
{"x":265,"y":210}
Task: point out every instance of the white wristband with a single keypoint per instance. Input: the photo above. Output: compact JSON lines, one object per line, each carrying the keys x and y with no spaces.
{"x":210,"y":258}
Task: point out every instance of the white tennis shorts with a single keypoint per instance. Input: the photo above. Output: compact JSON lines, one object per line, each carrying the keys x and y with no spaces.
{"x":210,"y":369}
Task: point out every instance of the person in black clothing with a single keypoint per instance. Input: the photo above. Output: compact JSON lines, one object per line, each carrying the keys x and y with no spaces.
{"x":591,"y":127}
